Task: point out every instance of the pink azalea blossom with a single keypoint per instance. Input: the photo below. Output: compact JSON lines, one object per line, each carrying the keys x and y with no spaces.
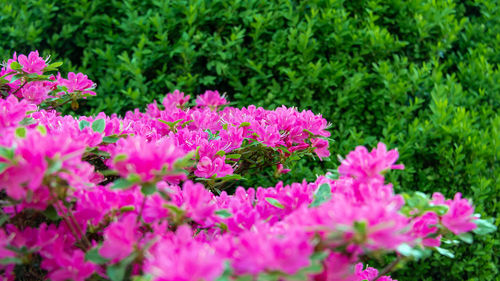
{"x":33,"y":63}
{"x":459,"y":218}
{"x":425,"y":225}
{"x":73,"y":267}
{"x":135,"y":155}
{"x":180,"y":257}
{"x":35,"y":92}
{"x":78,"y":82}
{"x":197,"y":201}
{"x":363,"y":165}
{"x":120,"y":238}
{"x":207,"y":167}
{"x":211,"y":99}
{"x":176,"y":98}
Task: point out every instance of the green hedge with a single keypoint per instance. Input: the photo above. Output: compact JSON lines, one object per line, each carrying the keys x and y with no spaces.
{"x":420,"y":75}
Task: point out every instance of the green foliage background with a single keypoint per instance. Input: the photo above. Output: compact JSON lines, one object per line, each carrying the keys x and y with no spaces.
{"x":419,"y":75}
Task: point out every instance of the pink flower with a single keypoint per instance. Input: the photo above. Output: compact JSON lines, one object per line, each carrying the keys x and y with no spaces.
{"x":135,"y":155}
{"x":280,"y":169}
{"x":425,"y":225}
{"x":4,"y":241}
{"x":35,"y":92}
{"x":267,"y":134}
{"x":176,"y":98}
{"x":211,"y":99}
{"x":197,"y":201}
{"x":72,"y":267}
{"x":180,"y":257}
{"x":459,"y":218}
{"x":35,"y":153}
{"x":369,"y":273}
{"x":364,"y":165}
{"x":207,"y":167}
{"x":78,"y":82}
{"x":120,"y":238}
{"x":320,"y":147}
{"x":33,"y":63}
{"x":13,"y":111}
{"x":262,"y":249}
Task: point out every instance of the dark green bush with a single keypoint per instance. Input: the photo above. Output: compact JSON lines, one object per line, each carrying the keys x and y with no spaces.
{"x":420,"y":75}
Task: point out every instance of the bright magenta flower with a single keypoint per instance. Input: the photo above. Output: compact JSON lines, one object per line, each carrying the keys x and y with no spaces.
{"x":424,"y":226}
{"x":73,"y":267}
{"x":182,"y":258}
{"x":13,"y":111}
{"x":78,"y":82}
{"x":120,"y":238}
{"x":33,"y":63}
{"x":149,"y":160}
{"x":459,"y":218}
{"x":176,"y":99}
{"x":207,"y":167}
{"x":36,"y":153}
{"x":363,"y":165}
{"x":211,"y":99}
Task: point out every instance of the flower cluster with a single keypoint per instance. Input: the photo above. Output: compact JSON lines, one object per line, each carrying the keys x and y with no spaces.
{"x":146,"y":195}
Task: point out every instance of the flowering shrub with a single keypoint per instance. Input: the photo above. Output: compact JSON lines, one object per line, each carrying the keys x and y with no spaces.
{"x":149,"y":195}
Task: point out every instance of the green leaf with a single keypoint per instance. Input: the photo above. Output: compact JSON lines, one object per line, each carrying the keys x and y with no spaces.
{"x":231,"y":177}
{"x":220,"y":153}
{"x":445,"y":252}
{"x":122,"y":184}
{"x":83,"y":124}
{"x":54,"y":166}
{"x":17,"y":77}
{"x":3,"y":167}
{"x":466,"y":237}
{"x":483,"y":227}
{"x":323,"y":194}
{"x":21,"y":132}
{"x":416,"y":253}
{"x":274,"y":202}
{"x":439,"y":209}
{"x":233,"y":156}
{"x":333,"y":174}
{"x":42,"y":129}
{"x":7,"y":261}
{"x":93,"y":256}
{"x":6,"y":153}
{"x":120,"y":157}
{"x":134,"y":178}
{"x":99,"y":125}
{"x":15,"y":65}
{"x":148,"y":188}
{"x":110,"y":139}
{"x":244,"y":124}
{"x":223,"y":213}
{"x":174,"y":209}
{"x":55,"y":64}
{"x":118,"y":271}
{"x":127,"y":208}
{"x":51,"y":213}
{"x":27,"y":121}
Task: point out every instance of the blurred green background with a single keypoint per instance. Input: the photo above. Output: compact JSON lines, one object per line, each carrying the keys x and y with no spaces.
{"x":419,"y":75}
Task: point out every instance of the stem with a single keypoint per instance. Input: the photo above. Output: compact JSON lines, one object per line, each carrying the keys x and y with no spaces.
{"x":65,"y":218}
{"x":25,"y":82}
{"x":79,"y":229}
{"x":57,"y":105}
{"x":142,"y":208}
{"x":70,"y":219}
{"x":389,"y":267}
